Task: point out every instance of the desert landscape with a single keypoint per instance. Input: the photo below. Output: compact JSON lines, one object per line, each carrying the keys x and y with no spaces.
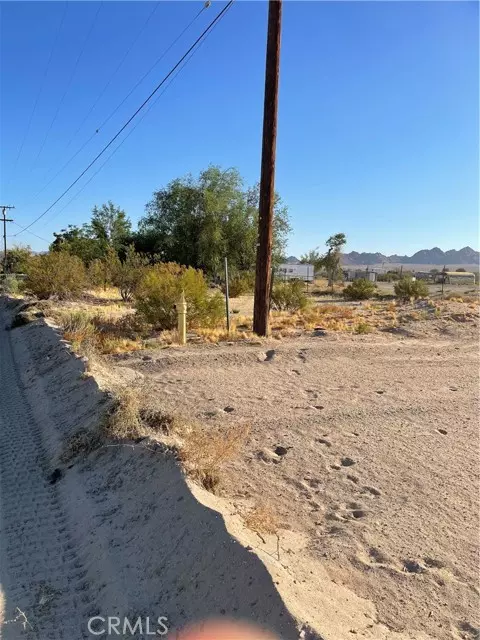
{"x":328,"y":472}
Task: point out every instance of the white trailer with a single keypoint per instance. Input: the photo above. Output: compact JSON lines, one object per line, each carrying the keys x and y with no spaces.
{"x":295,"y":271}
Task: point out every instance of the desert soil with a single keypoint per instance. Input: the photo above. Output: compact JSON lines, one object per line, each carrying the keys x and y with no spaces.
{"x":381,"y":469}
{"x":366,"y":447}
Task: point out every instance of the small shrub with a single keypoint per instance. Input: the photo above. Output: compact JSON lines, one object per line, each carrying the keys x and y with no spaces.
{"x":9,"y":284}
{"x":407,"y":288}
{"x":128,"y":274}
{"x":160,"y":289}
{"x":77,"y":327}
{"x":55,"y":274}
{"x":240,"y":284}
{"x":124,"y":421}
{"x":289,"y":296}
{"x":363,"y":327}
{"x":204,"y":452}
{"x":361,"y":289}
{"x":262,"y":519}
{"x":82,"y":443}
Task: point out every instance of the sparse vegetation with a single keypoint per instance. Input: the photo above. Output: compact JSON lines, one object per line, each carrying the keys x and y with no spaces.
{"x":289,"y":296}
{"x":407,"y":288}
{"x":262,"y":518}
{"x":204,"y":452}
{"x":361,"y":289}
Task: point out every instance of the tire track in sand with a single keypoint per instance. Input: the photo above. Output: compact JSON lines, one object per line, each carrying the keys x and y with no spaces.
{"x":41,"y":572}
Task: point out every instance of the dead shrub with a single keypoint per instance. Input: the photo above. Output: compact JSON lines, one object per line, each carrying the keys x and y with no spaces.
{"x":262,"y":518}
{"x":82,"y":443}
{"x":124,"y":421}
{"x":204,"y":452}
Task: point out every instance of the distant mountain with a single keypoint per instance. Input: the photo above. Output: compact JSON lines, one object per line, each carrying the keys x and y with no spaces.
{"x":467,"y":255}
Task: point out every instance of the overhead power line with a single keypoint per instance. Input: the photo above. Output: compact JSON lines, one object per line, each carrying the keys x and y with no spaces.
{"x":69,"y":83}
{"x":40,"y":90}
{"x":144,"y":103}
{"x":172,"y":79}
{"x":97,"y":130}
{"x":109,"y":81}
{"x":30,"y":232}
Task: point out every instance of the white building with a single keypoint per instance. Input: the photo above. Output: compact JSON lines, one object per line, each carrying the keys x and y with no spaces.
{"x":295,"y":271}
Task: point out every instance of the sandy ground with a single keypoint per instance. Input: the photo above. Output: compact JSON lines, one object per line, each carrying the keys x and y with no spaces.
{"x":377,"y":492}
{"x":382,"y":463}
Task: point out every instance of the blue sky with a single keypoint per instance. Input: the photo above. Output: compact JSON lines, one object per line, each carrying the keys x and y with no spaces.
{"x":378,"y":116}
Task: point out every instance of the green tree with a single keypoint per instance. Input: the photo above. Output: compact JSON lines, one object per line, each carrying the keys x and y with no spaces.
{"x":109,"y":225}
{"x":77,"y":241}
{"x":332,"y":259}
{"x":313,"y":257}
{"x":198,"y":221}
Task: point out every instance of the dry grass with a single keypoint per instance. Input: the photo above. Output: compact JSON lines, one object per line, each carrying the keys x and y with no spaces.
{"x":262,"y":518}
{"x":125,"y":422}
{"x":204,"y":452}
{"x":82,"y":443}
{"x":87,"y":331}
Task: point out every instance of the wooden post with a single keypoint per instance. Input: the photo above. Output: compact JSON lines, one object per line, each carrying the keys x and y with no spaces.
{"x":227,"y":298}
{"x":182,"y":319}
{"x":267,"y":178}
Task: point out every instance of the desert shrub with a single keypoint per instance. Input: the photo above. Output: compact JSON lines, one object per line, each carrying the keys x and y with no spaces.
{"x":363,"y":327}
{"x":361,"y":289}
{"x":204,"y":452}
{"x":10,"y":284}
{"x":124,"y":421}
{"x":289,"y":296}
{"x":262,"y":518}
{"x":160,"y":289}
{"x":128,"y":274}
{"x":240,"y":284}
{"x":55,"y":274}
{"x":407,"y":288}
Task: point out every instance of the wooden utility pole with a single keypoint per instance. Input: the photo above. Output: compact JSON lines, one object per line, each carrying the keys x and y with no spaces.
{"x":267,"y":178}
{"x":4,"y":208}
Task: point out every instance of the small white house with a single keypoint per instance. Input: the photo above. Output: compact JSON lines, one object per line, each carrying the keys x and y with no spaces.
{"x":295,"y":271}
{"x":360,"y":274}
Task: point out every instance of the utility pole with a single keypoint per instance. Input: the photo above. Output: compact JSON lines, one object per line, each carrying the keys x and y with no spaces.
{"x":267,"y":178}
{"x":4,"y":208}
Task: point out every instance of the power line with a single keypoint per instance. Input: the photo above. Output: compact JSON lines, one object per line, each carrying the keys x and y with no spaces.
{"x":45,"y":74}
{"x":109,"y":81}
{"x":172,"y":79}
{"x":112,"y":140}
{"x":87,"y":142}
{"x":30,"y":232}
{"x":75,"y":67}
{"x":157,"y":61}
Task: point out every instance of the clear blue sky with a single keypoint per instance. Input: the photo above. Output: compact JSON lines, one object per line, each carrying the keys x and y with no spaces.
{"x":378,"y":119}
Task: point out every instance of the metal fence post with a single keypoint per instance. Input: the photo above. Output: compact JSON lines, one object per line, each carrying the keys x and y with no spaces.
{"x":227,"y":297}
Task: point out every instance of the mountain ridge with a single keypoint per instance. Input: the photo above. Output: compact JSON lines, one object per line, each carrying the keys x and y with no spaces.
{"x":466,"y":255}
